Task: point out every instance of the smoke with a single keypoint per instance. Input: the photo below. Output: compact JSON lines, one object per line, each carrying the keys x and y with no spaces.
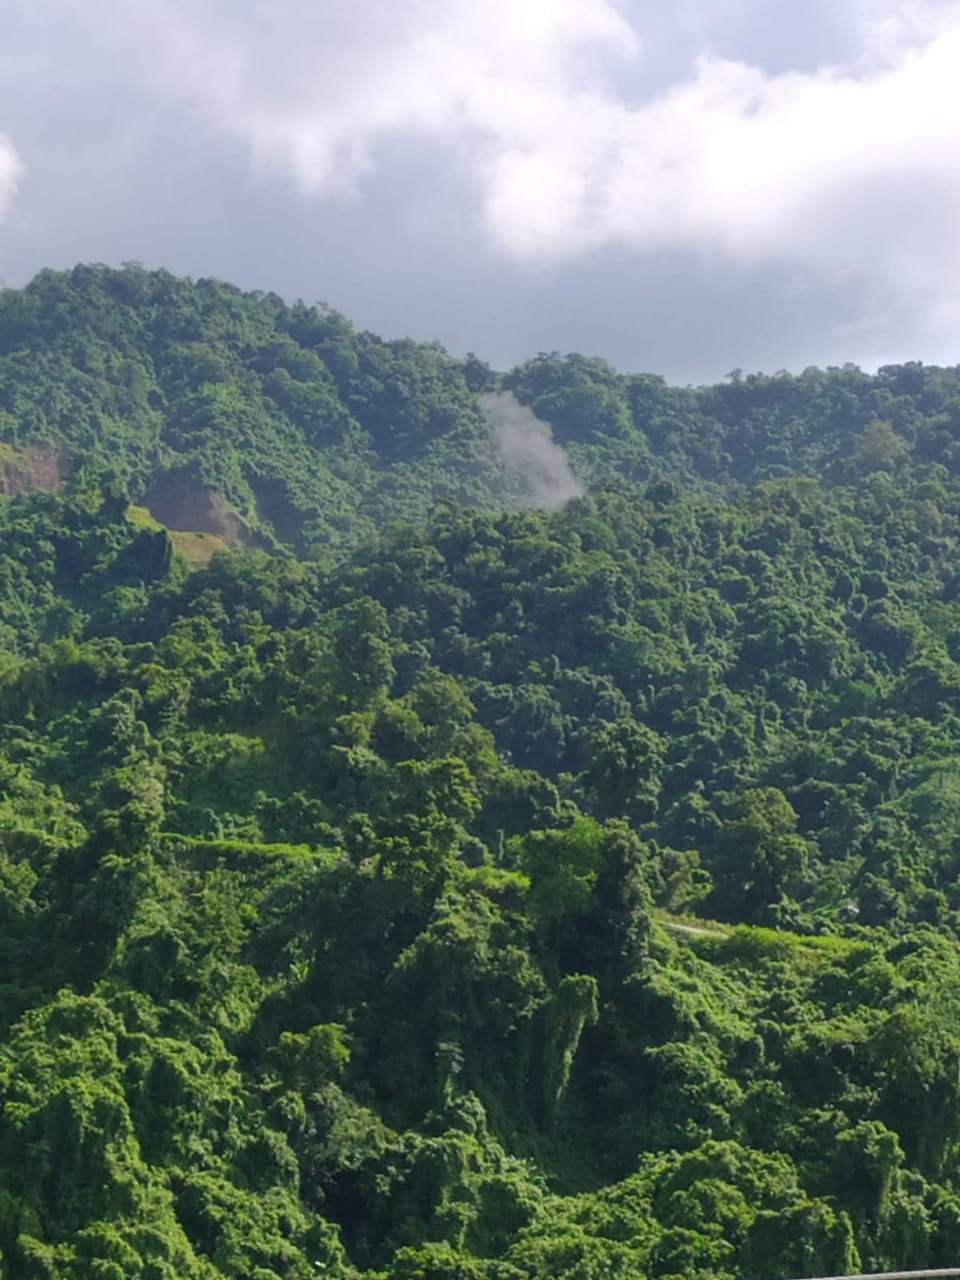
{"x":528,"y":450}
{"x":11,"y":170}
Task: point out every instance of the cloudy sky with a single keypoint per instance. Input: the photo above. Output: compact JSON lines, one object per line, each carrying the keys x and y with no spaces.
{"x":685,"y":188}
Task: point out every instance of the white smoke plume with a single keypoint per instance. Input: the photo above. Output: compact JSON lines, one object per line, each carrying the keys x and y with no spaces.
{"x":11,"y":169}
{"x":529,"y":451}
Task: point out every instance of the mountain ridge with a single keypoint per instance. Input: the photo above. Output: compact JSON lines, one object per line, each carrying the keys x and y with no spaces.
{"x":304,"y":426}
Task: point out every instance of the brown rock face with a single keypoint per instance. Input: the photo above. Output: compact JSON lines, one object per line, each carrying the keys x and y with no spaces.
{"x":37,"y":467}
{"x":195,"y":508}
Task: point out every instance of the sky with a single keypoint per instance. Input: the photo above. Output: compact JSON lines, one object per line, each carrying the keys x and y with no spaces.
{"x":685,"y":189}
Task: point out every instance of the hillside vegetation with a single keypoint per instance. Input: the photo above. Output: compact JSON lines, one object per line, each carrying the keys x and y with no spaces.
{"x":398,"y":880}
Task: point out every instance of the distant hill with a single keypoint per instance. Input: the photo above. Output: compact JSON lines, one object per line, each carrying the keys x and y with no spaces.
{"x":237,"y":415}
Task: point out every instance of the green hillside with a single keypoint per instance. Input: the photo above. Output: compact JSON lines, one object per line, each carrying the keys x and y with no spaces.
{"x":401,"y":880}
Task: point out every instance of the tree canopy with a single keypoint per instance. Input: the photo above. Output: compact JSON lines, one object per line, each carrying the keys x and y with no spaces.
{"x":398,"y":880}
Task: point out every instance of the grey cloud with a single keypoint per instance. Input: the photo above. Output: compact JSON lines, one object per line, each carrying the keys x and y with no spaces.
{"x":127,"y":121}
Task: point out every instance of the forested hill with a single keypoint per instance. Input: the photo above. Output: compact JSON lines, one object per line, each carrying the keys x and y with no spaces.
{"x":401,"y":880}
{"x":237,"y":415}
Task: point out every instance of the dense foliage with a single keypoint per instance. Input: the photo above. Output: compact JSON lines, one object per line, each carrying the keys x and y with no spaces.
{"x":432,"y":887}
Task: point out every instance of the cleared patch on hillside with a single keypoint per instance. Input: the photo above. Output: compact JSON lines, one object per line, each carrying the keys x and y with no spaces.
{"x":198,"y":549}
{"x":30,"y":470}
{"x":197,"y":508}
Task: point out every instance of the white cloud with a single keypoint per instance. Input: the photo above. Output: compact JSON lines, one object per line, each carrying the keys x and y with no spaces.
{"x":10,"y":170}
{"x":732,"y":159}
{"x":554,"y":113}
{"x":799,"y":167}
{"x":315,"y":88}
